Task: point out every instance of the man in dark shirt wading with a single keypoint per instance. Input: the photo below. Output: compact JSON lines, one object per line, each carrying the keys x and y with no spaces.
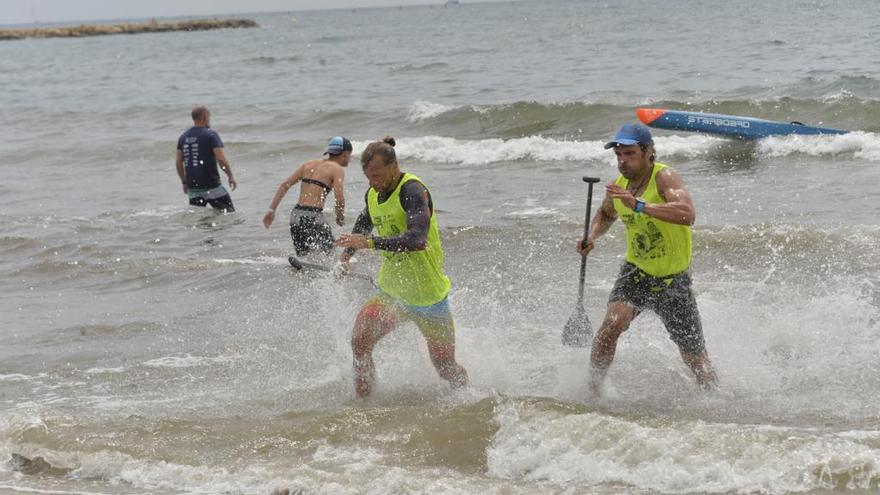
{"x":199,"y":150}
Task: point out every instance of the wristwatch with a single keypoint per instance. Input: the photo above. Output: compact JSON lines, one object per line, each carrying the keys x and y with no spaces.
{"x":640,"y":205}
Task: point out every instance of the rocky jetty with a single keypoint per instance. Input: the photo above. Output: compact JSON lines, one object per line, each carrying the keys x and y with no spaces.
{"x":105,"y":29}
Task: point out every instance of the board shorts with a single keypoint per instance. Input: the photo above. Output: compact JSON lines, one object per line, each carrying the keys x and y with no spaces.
{"x":309,"y":231}
{"x":434,"y":322}
{"x":218,"y":198}
{"x":670,"y":297}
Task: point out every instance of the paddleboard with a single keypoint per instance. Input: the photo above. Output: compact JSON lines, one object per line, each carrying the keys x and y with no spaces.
{"x":300,"y":265}
{"x":726,"y":125}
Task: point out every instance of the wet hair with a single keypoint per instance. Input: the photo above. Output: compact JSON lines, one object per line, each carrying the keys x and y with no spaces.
{"x":383,"y":148}
{"x":199,"y":112}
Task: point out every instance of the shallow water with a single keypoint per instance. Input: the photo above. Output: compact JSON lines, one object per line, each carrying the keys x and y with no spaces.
{"x":150,"y":347}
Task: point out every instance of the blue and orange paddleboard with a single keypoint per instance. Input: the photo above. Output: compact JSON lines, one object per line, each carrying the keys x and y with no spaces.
{"x":726,"y":125}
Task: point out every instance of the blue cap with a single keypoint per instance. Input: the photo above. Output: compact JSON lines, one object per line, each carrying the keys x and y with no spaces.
{"x":631,"y":134}
{"x":337,"y":145}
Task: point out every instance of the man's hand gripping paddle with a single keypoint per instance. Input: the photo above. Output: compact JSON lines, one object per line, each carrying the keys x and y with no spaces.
{"x":578,"y":331}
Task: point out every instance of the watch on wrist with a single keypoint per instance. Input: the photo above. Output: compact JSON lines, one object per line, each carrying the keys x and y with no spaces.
{"x":640,"y":205}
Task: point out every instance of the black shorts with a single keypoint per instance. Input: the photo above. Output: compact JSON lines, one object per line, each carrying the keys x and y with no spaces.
{"x":310,"y":231}
{"x":221,"y":203}
{"x":671,"y":298}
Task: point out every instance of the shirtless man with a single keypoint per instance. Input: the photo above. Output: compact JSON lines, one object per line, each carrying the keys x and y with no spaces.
{"x":308,"y":229}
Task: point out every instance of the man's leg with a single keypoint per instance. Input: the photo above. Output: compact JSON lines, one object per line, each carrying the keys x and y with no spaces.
{"x":374,"y":321}
{"x":702,"y":369}
{"x":438,"y":328}
{"x":223,"y":203}
{"x":443,"y":357}
{"x":678,"y":309}
{"x":617,"y":320}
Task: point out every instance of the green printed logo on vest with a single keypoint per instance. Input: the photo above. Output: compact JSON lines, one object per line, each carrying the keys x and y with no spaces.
{"x":649,"y":243}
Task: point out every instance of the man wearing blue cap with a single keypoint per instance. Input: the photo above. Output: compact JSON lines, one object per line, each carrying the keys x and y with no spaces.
{"x":308,"y":229}
{"x":657,"y":210}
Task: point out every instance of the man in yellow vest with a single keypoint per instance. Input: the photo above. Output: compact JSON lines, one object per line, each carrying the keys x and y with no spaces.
{"x":412,"y":285}
{"x":652,"y":202}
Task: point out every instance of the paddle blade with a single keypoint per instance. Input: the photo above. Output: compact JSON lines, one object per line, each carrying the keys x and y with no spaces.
{"x":578,"y":331}
{"x":294,"y":263}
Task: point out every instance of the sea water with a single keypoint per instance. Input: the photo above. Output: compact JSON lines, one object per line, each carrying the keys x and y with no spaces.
{"x":152,"y":347}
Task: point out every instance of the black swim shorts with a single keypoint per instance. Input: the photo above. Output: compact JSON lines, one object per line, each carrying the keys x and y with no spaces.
{"x":670,"y":297}
{"x":222,"y":203}
{"x":310,"y":231}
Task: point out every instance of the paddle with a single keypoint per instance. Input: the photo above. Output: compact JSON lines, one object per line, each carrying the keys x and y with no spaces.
{"x":578,"y":330}
{"x":299,"y":265}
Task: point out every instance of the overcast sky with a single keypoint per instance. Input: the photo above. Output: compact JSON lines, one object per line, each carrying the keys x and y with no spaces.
{"x":29,"y":11}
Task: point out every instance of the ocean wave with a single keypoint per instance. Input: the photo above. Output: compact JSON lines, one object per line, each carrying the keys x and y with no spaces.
{"x":418,"y":67}
{"x":678,"y":456}
{"x":269,"y":60}
{"x":14,"y":377}
{"x":440,"y":149}
{"x":437,"y":149}
{"x":837,"y":108}
{"x":17,"y":243}
{"x":423,"y":110}
{"x":864,"y":145}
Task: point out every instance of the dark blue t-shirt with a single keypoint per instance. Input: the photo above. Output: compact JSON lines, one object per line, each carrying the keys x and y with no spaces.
{"x":200,"y":164}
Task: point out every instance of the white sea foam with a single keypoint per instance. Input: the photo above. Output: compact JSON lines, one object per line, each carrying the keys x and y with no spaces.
{"x":186,"y":361}
{"x":28,"y":489}
{"x":168,"y":477}
{"x":422,"y":110}
{"x":100,"y":371}
{"x":839,"y":95}
{"x":160,"y":212}
{"x":261,"y":260}
{"x":438,"y":149}
{"x":352,"y":458}
{"x":678,"y":456}
{"x":333,"y":471}
{"x":535,"y":212}
{"x":863,"y":145}
{"x":14,"y":377}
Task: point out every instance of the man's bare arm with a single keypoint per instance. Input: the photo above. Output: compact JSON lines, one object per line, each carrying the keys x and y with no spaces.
{"x":679,"y":207}
{"x":224,"y":165}
{"x":181,"y":172}
{"x":339,"y":194}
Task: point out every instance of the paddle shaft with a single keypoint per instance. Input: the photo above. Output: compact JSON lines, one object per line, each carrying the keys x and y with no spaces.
{"x":590,"y":181}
